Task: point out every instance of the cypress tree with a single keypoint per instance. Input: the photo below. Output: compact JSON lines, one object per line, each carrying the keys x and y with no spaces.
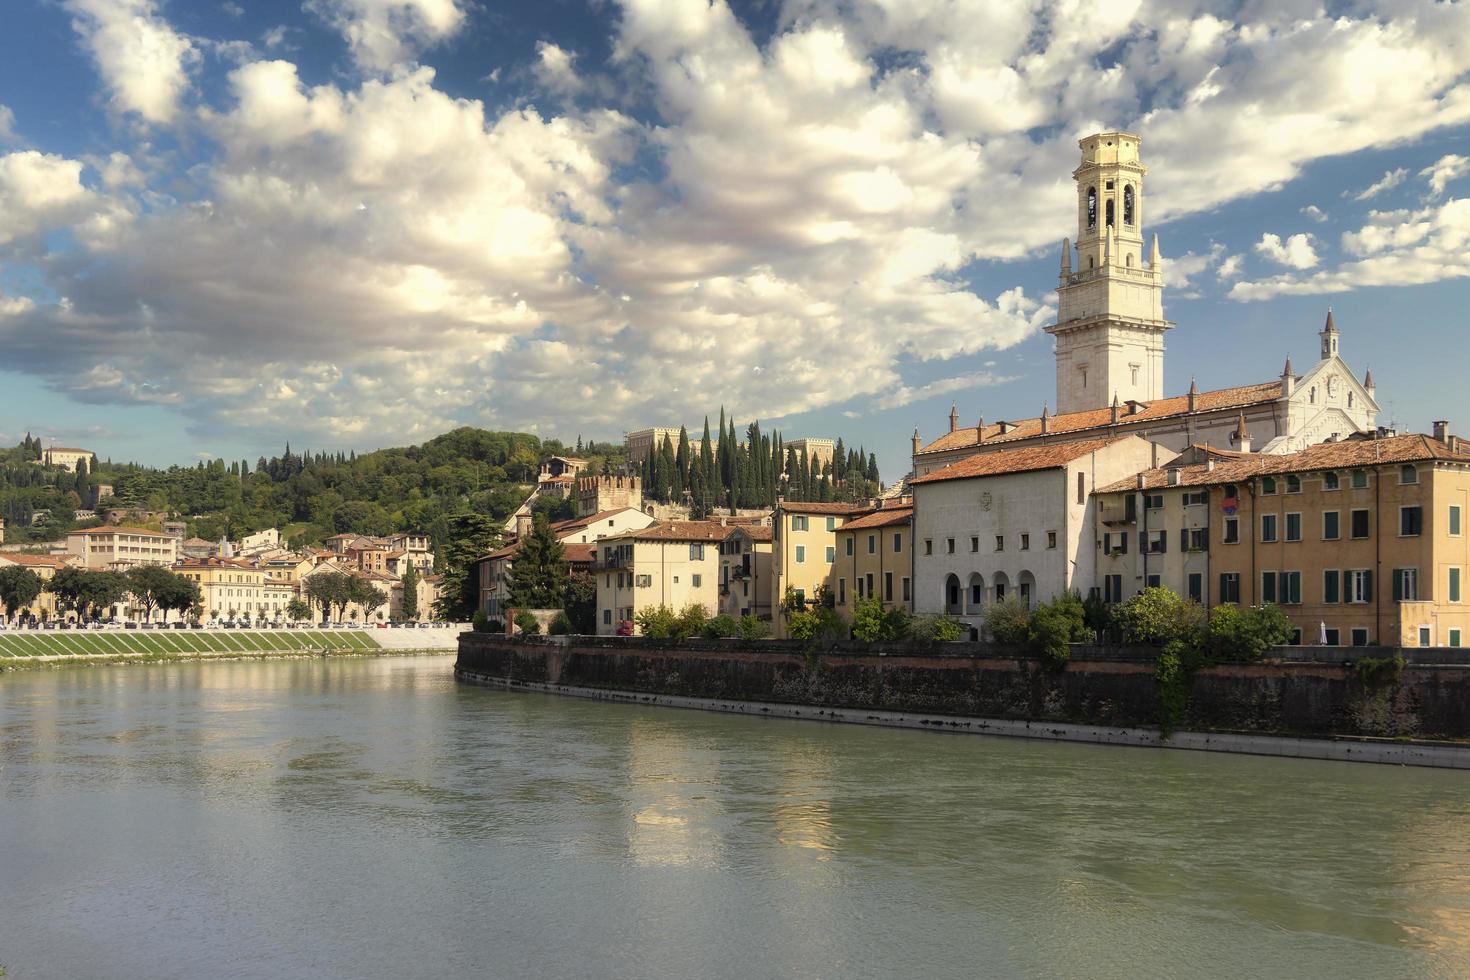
{"x":538,"y":576}
{"x":681,"y":463}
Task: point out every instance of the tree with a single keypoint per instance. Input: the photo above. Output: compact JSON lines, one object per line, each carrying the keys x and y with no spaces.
{"x":180,"y":595}
{"x":365,"y":594}
{"x":102,"y":590}
{"x":19,"y":587}
{"x":297,"y":610}
{"x":68,"y":585}
{"x":469,"y":537}
{"x":538,"y":575}
{"x":581,"y":602}
{"x":149,"y":585}
{"x":411,"y":593}
{"x":328,"y":590}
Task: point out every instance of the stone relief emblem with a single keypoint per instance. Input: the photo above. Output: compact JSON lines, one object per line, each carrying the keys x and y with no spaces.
{"x":985,"y":501}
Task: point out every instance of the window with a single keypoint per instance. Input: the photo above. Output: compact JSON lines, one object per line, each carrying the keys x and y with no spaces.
{"x":868,"y":583}
{"x":1293,"y":527}
{"x":1358,"y":585}
{"x":1330,"y":481}
{"x":850,"y":540}
{"x":1454,"y":637}
{"x":977,"y":593}
{"x":1153,"y":542}
{"x":1360,"y":479}
{"x":696,"y":552}
{"x":887,"y":586}
{"x":1268,"y":486}
{"x":1230,"y":533}
{"x":831,"y":554}
{"x":1331,"y":585}
{"x":801,"y":554}
{"x":1293,"y":483}
{"x":1000,"y":542}
{"x":1115,"y":544}
{"x":1026,"y":594}
{"x":607,"y":617}
{"x":1092,"y":207}
{"x":1268,"y":586}
{"x":1331,"y":530}
{"x":799,"y":522}
{"x":897,"y":542}
{"x":842,"y":592}
{"x":1454,"y":585}
{"x":1112,"y":588}
{"x":1081,"y":488}
{"x":1025,"y":542}
{"x":1196,"y":498}
{"x":1051,"y":539}
{"x":696,"y":580}
{"x":928,"y":546}
{"x":1411,"y":521}
{"x":1153,"y":501}
{"x":1268,"y":527}
{"x":1455,"y":519}
{"x":949,"y":545}
{"x":1408,"y":474}
{"x":1360,"y":637}
{"x":1193,"y":539}
{"x":872,"y":544}
{"x":859,"y":585}
{"x":907,"y":595}
{"x":1109,"y":210}
{"x":1334,"y":637}
{"x":1197,"y":587}
{"x":1359,"y":524}
{"x":1424,"y":636}
{"x":1153,"y":581}
{"x":1128,"y":204}
{"x":1291,"y":587}
{"x":974,"y":544}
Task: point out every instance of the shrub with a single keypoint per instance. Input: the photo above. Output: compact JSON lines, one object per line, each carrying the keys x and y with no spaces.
{"x":1157,"y":615}
{"x":751,"y":628}
{"x":1377,"y":672}
{"x":818,"y":624}
{"x":871,"y":623}
{"x":655,"y":622}
{"x":1050,"y":632}
{"x":719,"y":627}
{"x":481,"y":622}
{"x":690,"y":622}
{"x":561,"y":625}
{"x":1008,"y":622}
{"x":1237,"y":633}
{"x":936,"y":629}
{"x":527,"y":623}
{"x":496,"y":626}
{"x":1096,"y":616}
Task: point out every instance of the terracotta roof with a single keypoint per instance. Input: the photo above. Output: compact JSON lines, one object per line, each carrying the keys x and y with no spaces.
{"x":67,"y":449}
{"x":757,"y":532}
{"x":1348,"y":454}
{"x":576,"y":523}
{"x":38,"y":561}
{"x":578,"y":553}
{"x":1102,"y":418}
{"x":814,"y":507}
{"x":120,"y":529}
{"x":881,"y":518}
{"x":196,"y":542}
{"x":1023,"y":460}
{"x":676,"y":531}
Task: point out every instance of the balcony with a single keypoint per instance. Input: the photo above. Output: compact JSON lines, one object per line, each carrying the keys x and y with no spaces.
{"x":612,"y":563}
{"x":1115,"y":510}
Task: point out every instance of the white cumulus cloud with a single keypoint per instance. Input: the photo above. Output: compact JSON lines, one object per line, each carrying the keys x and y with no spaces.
{"x":143,"y":62}
{"x":1296,"y":251}
{"x":384,"y":33}
{"x":1387,"y":182}
{"x":1451,"y":166}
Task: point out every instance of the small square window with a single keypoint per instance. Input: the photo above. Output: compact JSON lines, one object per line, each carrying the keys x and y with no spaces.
{"x":949,"y":545}
{"x":694,"y":580}
{"x":1051,"y":539}
{"x":1025,"y":542}
{"x":1330,"y":481}
{"x":1360,"y":480}
{"x":1293,"y":483}
{"x":974,"y":544}
{"x":928,"y":546}
{"x":1000,"y":542}
{"x":1360,"y":637}
{"x":1408,"y":474}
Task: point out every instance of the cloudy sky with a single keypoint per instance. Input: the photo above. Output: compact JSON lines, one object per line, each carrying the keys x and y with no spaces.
{"x":356,"y":223}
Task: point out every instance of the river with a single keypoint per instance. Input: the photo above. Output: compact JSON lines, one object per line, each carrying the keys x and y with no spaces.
{"x":372,"y":818}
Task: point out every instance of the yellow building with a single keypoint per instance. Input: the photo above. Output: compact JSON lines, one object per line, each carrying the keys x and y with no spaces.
{"x":675,"y":564}
{"x":120,"y":548}
{"x":745,"y":572}
{"x":1360,"y":542}
{"x":875,"y":559}
{"x":236,"y":588}
{"x":45,"y":567}
{"x":804,"y":550}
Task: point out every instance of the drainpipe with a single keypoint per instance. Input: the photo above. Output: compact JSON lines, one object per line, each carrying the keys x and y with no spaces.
{"x":1377,"y":530}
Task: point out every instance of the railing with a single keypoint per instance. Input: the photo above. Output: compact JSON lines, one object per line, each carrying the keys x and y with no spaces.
{"x":612,"y":563}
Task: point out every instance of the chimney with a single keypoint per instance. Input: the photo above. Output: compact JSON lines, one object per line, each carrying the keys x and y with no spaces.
{"x":1173,"y":476}
{"x":1210,"y":465}
{"x":1116,"y":408}
{"x":1142,"y":482}
{"x":1441,"y":430}
{"x":954,"y":417}
{"x":980,"y":432}
{"x":1045,"y":419}
{"x":1193,"y":393}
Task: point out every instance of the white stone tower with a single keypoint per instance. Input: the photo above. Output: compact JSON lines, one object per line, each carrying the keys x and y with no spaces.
{"x":1110,"y":316}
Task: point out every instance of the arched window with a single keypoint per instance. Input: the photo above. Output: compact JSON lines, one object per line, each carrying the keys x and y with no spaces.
{"x":1128,"y":205}
{"x":1092,"y":207}
{"x":1129,"y":261}
{"x":1110,"y":214}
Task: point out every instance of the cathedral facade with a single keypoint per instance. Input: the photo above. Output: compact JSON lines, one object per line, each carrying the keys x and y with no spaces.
{"x":1110,"y":349}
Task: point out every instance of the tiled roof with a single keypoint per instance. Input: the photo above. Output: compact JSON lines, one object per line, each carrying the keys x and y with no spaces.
{"x":67,"y":449}
{"x":1102,"y":418}
{"x":577,"y":523}
{"x":880,"y":518}
{"x":36,"y":561}
{"x":814,"y":507}
{"x":578,"y":553}
{"x":757,"y":532}
{"x":1348,"y":454}
{"x":676,"y":531}
{"x":120,"y":529}
{"x":1022,"y":460}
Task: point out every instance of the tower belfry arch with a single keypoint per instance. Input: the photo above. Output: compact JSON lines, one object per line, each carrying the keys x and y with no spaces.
{"x":1110,"y":309}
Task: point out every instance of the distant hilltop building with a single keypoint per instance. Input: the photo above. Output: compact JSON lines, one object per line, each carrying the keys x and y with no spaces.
{"x":641,"y":442}
{"x":1110,"y":350}
{"x":67,"y":458}
{"x":596,"y":494}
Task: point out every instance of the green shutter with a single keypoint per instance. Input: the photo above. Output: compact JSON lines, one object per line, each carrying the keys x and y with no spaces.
{"x":1398,"y":585}
{"x":1454,"y":585}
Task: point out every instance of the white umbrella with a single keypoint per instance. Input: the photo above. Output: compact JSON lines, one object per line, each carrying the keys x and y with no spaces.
{"x":1323,"y":640}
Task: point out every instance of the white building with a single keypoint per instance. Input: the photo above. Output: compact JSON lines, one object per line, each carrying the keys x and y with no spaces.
{"x":1110,"y":349}
{"x":1018,"y":522}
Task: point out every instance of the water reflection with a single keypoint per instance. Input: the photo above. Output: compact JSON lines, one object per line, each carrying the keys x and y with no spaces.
{"x":372,"y":818}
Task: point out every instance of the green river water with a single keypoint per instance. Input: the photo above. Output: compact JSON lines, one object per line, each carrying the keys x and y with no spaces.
{"x":372,"y":818}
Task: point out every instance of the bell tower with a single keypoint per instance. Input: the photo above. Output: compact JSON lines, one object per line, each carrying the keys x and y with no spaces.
{"x":1110,"y":307}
